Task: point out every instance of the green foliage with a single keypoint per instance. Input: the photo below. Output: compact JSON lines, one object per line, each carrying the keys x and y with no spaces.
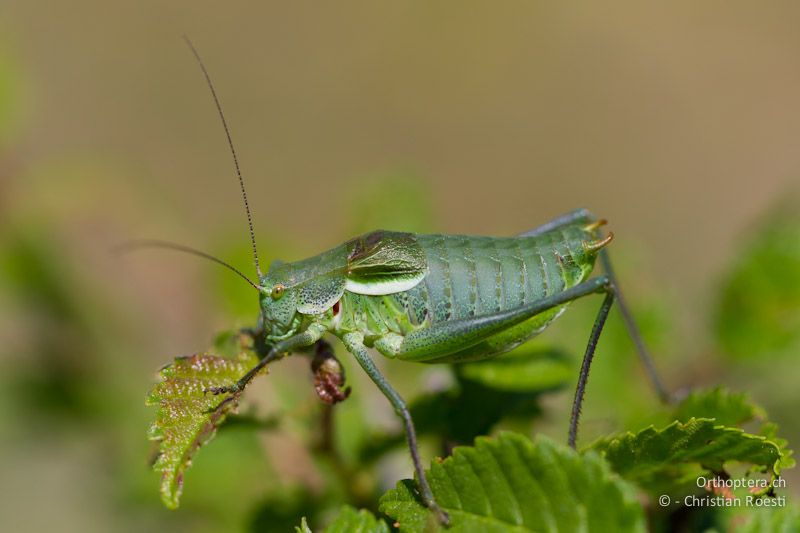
{"x":470,"y":409}
{"x":458,"y":415}
{"x":759,"y":311}
{"x":485,"y":393}
{"x":188,"y":416}
{"x":724,"y":407}
{"x":733,"y":409}
{"x":82,"y":330}
{"x":526,"y":369}
{"x":506,"y":483}
{"x":509,"y":483}
{"x":770,"y":431}
{"x":36,"y":275}
{"x":652,"y":457}
{"x":351,"y":520}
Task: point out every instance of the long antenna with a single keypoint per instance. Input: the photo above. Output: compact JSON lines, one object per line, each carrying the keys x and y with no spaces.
{"x":233,"y":152}
{"x":138,"y":244}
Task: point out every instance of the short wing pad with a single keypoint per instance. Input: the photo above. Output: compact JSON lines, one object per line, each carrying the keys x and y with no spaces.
{"x":384,"y":262}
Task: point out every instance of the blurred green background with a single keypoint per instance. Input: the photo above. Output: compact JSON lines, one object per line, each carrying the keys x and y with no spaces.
{"x":679,"y":123}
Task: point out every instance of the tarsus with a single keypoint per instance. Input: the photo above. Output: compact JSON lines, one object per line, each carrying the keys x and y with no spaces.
{"x":233,"y":153}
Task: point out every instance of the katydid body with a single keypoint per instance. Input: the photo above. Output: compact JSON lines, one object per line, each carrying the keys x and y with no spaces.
{"x":436,"y":299}
{"x":428,"y":299}
{"x":458,"y":298}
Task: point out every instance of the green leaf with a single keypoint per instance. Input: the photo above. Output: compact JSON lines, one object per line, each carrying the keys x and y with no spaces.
{"x":459,"y":415}
{"x":509,"y":483}
{"x":725,"y":407}
{"x":303,"y":527}
{"x":187,"y":416}
{"x":732,"y":409}
{"x":350,"y":519}
{"x":651,"y":457}
{"x":523,"y":370}
{"x":770,"y":431}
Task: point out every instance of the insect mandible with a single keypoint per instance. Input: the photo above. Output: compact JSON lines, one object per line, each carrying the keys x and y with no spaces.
{"x":429,"y":299}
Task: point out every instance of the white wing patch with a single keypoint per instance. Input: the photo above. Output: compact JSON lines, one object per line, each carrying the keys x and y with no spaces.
{"x":377,"y":287}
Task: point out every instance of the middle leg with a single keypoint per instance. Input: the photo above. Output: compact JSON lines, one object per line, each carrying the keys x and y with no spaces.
{"x":354,"y":342}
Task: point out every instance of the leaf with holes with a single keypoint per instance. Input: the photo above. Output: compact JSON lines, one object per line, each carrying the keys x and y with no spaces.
{"x":655,"y":458}
{"x":731,"y":409}
{"x":187,"y":416}
{"x":511,"y":483}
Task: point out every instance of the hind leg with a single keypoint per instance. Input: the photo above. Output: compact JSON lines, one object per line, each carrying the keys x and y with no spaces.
{"x":633,"y":331}
{"x":582,"y":214}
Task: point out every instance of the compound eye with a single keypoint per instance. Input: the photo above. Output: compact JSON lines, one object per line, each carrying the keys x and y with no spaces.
{"x":277,"y":291}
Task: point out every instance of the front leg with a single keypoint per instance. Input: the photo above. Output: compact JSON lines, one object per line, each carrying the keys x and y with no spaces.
{"x":354,"y":342}
{"x":308,"y":337}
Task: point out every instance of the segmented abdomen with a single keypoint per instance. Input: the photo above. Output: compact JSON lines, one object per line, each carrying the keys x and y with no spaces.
{"x":474,"y":276}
